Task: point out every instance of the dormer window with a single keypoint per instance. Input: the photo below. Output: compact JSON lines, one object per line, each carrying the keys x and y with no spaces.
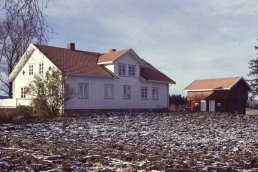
{"x":121,"y":69}
{"x":131,"y":70}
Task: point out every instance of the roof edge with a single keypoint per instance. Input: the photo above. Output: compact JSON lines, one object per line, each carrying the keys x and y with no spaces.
{"x":241,"y":78}
{"x":207,"y":90}
{"x":170,"y":82}
{"x":21,"y":62}
{"x":100,"y":76}
{"x":135,"y":55}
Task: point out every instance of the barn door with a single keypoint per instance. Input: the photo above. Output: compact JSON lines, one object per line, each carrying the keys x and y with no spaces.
{"x":211,"y":105}
{"x":203,"y":105}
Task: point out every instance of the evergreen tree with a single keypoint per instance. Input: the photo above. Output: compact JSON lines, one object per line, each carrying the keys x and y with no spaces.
{"x":253,"y":81}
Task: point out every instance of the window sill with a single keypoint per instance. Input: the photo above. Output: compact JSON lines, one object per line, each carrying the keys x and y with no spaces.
{"x":108,"y":98}
{"x":144,"y":99}
{"x":83,"y":98}
{"x":126,"y":98}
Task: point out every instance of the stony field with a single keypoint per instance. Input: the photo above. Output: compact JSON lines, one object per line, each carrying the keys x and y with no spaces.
{"x":133,"y":142}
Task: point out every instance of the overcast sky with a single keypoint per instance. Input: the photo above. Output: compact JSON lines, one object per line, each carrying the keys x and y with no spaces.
{"x":185,"y":39}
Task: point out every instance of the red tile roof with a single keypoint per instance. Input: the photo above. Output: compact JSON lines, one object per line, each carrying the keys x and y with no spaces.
{"x":86,"y":63}
{"x":110,"y":56}
{"x":74,"y":61}
{"x":149,"y":72}
{"x":213,"y":84}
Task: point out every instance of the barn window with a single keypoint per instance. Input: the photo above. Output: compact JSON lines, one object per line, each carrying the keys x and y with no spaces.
{"x":196,"y":104}
{"x":108,"y":91}
{"x":219,"y":104}
{"x":83,"y":90}
{"x":126,"y":91}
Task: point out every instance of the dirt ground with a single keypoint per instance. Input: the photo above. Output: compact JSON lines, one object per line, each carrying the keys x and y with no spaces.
{"x":133,"y":142}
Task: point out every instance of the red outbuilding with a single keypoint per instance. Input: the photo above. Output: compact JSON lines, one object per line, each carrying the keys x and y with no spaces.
{"x":218,"y":95}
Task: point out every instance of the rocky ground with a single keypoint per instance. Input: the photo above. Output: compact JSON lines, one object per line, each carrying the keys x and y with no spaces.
{"x":133,"y":142}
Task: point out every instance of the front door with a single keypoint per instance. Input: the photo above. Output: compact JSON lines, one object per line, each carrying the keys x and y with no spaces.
{"x":203,"y":105}
{"x":211,"y":105}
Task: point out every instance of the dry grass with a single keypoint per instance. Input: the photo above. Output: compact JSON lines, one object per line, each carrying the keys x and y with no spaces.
{"x":15,"y":114}
{"x":24,"y":114}
{"x":250,"y":111}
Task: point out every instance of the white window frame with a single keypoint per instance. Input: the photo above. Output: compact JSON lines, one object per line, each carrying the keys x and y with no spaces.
{"x":31,"y":69}
{"x":127,"y":92}
{"x":121,"y":69}
{"x":23,"y":95}
{"x":108,"y":91}
{"x":83,"y":90}
{"x":144,"y":93}
{"x":155,"y":93}
{"x":132,"y":70}
{"x":41,"y":68}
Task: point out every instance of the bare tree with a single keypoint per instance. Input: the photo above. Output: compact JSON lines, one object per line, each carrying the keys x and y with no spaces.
{"x":21,"y":22}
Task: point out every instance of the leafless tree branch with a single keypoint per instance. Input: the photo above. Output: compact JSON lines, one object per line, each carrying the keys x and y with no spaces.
{"x":21,"y":22}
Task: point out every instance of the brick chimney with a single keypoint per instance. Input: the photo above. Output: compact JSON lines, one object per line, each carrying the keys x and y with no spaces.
{"x":71,"y":46}
{"x":111,"y":50}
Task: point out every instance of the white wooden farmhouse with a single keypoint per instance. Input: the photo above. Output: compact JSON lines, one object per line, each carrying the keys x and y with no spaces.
{"x":116,"y":80}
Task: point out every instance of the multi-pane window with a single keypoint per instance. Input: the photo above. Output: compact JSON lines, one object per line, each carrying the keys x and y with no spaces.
{"x":144,"y":93}
{"x":83,"y":90}
{"x":108,"y":91}
{"x":30,"y":69}
{"x":121,"y":69}
{"x":23,"y":95}
{"x":126,"y":91}
{"x":155,"y":93}
{"x":131,"y":70}
{"x":41,"y":68}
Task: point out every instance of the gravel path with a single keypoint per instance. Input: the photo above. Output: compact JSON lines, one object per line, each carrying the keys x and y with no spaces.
{"x":133,"y":141}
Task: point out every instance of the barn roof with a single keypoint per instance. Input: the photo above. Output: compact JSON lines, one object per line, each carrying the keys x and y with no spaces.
{"x":214,"y":84}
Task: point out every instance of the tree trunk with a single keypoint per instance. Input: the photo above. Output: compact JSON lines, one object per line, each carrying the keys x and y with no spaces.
{"x":10,"y":91}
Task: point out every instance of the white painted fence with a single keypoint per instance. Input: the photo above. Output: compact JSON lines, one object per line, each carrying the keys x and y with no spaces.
{"x":12,"y":103}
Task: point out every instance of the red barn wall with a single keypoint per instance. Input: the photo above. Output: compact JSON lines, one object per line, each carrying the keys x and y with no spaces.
{"x":233,"y":100}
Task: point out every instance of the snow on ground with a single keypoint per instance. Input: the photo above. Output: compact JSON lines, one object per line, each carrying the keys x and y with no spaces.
{"x":133,"y":141}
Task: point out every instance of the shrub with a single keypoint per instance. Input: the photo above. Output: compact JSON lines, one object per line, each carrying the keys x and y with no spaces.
{"x":49,"y":92}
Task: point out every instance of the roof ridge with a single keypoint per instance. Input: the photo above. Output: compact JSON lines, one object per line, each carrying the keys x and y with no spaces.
{"x":225,"y":83}
{"x":218,"y":78}
{"x":114,"y":51}
{"x":80,"y":51}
